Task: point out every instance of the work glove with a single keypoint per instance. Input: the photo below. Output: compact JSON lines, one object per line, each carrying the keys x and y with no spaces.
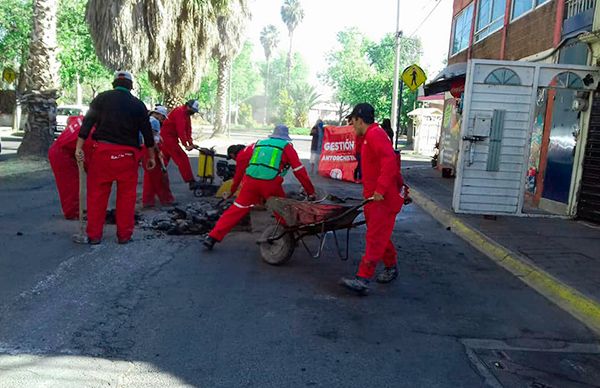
{"x":226,"y":195}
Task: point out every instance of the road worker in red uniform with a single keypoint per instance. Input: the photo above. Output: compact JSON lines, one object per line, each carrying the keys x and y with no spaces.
{"x":156,"y":181}
{"x":64,"y":166}
{"x":241,"y":155}
{"x":178,"y":128}
{"x":119,"y":118}
{"x":265,"y":163}
{"x":382,"y":181}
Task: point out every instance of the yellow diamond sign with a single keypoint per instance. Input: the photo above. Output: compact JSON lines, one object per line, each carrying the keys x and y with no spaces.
{"x":9,"y":75}
{"x":413,"y":77}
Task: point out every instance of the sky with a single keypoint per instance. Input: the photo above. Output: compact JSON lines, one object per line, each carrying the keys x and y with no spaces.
{"x":316,"y":35}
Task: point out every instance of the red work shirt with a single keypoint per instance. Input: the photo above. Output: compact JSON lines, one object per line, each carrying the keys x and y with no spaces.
{"x":290,"y":157}
{"x":241,"y":164}
{"x":178,"y":125}
{"x":358,"y":143}
{"x":380,"y":167}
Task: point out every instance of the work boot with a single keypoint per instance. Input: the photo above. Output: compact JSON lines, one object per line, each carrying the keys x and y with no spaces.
{"x":193,"y":185}
{"x":94,"y":241}
{"x":388,"y":275}
{"x":209,"y":243}
{"x":124,"y":241}
{"x":357,"y":284}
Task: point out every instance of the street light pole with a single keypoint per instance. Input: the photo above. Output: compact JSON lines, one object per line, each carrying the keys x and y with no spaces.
{"x":394,"y":113}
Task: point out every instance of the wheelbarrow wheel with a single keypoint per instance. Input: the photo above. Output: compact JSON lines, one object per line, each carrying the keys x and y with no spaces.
{"x":279,"y":251}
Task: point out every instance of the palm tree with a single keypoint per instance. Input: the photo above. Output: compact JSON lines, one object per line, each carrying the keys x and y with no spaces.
{"x":305,"y":98}
{"x":231,"y":26}
{"x":269,"y":38}
{"x":41,"y":80}
{"x":292,"y":15}
{"x":172,"y":39}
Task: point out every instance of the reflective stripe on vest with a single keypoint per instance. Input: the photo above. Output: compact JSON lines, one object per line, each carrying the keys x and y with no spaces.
{"x":265,"y":163}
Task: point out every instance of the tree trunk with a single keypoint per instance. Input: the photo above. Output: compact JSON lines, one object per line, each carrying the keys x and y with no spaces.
{"x":42,"y":69}
{"x":267,"y":94}
{"x":289,"y":62}
{"x":173,"y":101}
{"x":222,"y":92}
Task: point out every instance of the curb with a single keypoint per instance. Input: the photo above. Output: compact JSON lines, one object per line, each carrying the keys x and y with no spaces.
{"x":580,"y":306}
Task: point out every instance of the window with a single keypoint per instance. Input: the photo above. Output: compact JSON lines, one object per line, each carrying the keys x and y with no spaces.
{"x":521,"y":7}
{"x":568,"y":80}
{"x":490,"y":17}
{"x":503,"y":76}
{"x":462,"y":29}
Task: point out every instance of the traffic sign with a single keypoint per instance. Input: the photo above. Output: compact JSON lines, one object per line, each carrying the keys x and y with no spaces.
{"x":9,"y":75}
{"x":413,"y":77}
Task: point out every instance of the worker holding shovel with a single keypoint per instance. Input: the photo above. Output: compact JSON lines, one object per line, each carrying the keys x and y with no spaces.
{"x":156,"y":180}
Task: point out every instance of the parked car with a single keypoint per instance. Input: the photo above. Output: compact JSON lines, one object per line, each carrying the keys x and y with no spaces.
{"x":63,"y":112}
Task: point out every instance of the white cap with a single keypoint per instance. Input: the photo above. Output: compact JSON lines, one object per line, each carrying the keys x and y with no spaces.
{"x":123,"y":75}
{"x":161,"y":110}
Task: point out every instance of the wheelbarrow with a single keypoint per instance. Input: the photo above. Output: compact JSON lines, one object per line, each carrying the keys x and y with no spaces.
{"x":297,"y":220}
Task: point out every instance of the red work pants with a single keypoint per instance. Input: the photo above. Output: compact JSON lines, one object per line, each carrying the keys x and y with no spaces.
{"x":380,"y":224}
{"x":66,"y":173}
{"x":156,"y":184}
{"x":112,"y":163}
{"x":253,"y":192}
{"x":172,"y":150}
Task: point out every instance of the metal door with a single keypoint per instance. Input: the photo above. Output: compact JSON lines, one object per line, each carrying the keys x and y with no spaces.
{"x":589,"y":198}
{"x":498,"y":117}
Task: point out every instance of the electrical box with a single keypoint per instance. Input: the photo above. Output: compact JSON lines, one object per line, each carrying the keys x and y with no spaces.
{"x":483,"y":125}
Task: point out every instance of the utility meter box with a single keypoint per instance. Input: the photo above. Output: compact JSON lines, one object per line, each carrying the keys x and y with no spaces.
{"x":483,"y":126}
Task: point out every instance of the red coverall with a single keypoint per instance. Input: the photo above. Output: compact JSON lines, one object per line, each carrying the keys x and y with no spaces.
{"x":255,"y":191}
{"x":156,"y":183}
{"x":119,"y":118}
{"x":109,"y":163}
{"x":64,"y":166}
{"x":381,"y":174}
{"x":178,"y":127}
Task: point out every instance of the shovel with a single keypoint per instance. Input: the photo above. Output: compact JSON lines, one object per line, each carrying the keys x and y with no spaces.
{"x":81,"y":237}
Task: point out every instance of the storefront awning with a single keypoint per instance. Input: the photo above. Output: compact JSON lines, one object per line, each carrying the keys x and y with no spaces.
{"x":443,"y":81}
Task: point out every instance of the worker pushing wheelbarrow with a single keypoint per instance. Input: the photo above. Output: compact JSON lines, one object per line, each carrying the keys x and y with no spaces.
{"x":300,"y":219}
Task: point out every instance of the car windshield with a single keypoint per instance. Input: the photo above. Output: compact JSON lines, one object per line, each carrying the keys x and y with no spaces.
{"x":68,"y":111}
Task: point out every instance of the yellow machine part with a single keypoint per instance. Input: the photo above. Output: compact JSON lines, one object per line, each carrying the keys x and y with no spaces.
{"x":225,"y":187}
{"x":205,"y":165}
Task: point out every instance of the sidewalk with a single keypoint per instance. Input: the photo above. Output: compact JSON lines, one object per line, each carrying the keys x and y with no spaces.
{"x":560,"y":258}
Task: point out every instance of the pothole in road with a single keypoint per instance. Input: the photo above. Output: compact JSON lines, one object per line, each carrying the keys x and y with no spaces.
{"x":536,"y":363}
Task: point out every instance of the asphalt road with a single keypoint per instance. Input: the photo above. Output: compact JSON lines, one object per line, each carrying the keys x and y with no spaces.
{"x":162,"y":312}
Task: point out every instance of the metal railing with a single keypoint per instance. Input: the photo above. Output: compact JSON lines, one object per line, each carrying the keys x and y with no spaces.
{"x":575,"y":7}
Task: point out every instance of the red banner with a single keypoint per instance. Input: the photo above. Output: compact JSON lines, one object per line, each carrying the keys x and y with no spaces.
{"x":338,"y":155}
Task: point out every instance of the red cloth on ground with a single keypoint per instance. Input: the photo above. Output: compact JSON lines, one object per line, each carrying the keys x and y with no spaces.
{"x":156,"y":183}
{"x":112,"y":163}
{"x":381,"y":174}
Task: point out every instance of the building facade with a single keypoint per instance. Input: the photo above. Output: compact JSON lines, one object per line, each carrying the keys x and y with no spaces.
{"x":564,"y":165}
